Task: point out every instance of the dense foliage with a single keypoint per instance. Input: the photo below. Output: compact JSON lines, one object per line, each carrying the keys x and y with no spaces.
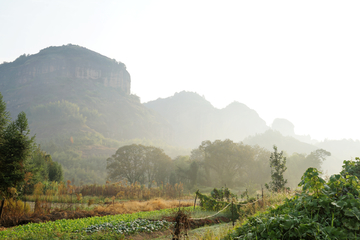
{"x":323,"y":210}
{"x":76,"y":140}
{"x":138,"y":163}
{"x":23,"y":164}
{"x":42,"y":168}
{"x":232,"y":164}
{"x":218,"y":163}
{"x":15,"y":149}
{"x":298,"y":163}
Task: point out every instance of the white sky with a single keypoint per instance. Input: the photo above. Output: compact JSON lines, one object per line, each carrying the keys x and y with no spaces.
{"x":297,"y":60}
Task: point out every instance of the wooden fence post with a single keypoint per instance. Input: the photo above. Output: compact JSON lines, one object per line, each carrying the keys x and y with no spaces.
{"x":232,"y":212}
{"x":2,"y":205}
{"x":24,"y":198}
{"x":195,"y":201}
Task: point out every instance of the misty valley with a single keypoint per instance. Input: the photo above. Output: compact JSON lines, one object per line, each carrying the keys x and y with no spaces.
{"x":75,"y":143}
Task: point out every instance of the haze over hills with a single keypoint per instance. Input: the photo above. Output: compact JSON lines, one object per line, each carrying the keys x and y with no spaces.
{"x":194,"y":119}
{"x":97,"y":85}
{"x":79,"y":105}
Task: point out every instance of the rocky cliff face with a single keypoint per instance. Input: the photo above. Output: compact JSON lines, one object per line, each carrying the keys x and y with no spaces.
{"x":117,"y":78}
{"x":66,"y":62}
{"x":79,"y":84}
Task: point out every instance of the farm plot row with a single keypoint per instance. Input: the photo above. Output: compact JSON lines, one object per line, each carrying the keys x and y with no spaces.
{"x":113,"y":226}
{"x":14,"y":215}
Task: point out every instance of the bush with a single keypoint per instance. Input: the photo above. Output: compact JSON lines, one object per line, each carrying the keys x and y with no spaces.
{"x":323,"y":210}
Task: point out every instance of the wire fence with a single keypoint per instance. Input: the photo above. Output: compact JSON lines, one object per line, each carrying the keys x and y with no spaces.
{"x":211,"y":215}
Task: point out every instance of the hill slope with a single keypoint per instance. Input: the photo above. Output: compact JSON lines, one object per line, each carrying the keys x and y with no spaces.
{"x":98,"y":85}
{"x":79,"y":105}
{"x":194,"y":119}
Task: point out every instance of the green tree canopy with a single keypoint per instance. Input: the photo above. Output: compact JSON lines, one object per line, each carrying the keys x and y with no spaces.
{"x":278,"y":167}
{"x":139,"y":163}
{"x":227,"y":159}
{"x":15,"y":149}
{"x":298,"y":163}
{"x":186,"y":170}
{"x":42,"y":168}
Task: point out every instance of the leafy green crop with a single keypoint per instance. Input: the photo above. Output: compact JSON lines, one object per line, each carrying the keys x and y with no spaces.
{"x":323,"y":210}
{"x":139,"y":225}
{"x":83,"y":226}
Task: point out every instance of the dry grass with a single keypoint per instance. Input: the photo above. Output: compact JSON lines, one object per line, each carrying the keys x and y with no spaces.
{"x":135,"y":206}
{"x":14,"y":213}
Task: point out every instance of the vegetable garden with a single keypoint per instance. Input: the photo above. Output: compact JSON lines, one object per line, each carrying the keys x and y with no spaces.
{"x":116,"y":226}
{"x":322,"y":210}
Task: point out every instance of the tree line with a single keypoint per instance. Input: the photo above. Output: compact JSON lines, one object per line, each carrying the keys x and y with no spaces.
{"x":213,"y":164}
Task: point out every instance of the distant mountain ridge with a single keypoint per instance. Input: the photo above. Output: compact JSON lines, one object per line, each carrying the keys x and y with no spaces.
{"x":88,"y":79}
{"x":54,"y":66}
{"x":194,"y":119}
{"x":79,"y":105}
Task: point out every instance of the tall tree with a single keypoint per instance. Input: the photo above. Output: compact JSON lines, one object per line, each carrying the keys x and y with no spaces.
{"x":127,"y":163}
{"x":157,"y":165}
{"x":297,"y":164}
{"x":42,"y":168}
{"x":278,"y":167}
{"x":186,"y":171}
{"x":15,"y":148}
{"x":316,"y":158}
{"x":227,"y":159}
{"x":138,"y":163}
{"x":4,"y":118}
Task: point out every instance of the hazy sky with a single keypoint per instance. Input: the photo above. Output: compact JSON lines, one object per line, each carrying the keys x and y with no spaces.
{"x":298,"y":60}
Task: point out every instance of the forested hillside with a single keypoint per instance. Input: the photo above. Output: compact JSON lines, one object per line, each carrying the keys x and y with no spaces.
{"x":97,"y":85}
{"x":340,"y":149}
{"x":79,"y":105}
{"x":288,"y":144}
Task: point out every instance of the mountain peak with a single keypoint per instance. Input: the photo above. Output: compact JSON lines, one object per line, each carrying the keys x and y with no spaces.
{"x":194,"y":119}
{"x":64,"y":62}
{"x":238,"y":106}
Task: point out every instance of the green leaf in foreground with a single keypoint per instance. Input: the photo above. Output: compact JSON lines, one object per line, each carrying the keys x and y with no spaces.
{"x":323,"y":210}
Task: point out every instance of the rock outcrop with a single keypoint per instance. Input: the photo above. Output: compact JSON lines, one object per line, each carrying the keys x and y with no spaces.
{"x":68,"y":61}
{"x":86,"y":90}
